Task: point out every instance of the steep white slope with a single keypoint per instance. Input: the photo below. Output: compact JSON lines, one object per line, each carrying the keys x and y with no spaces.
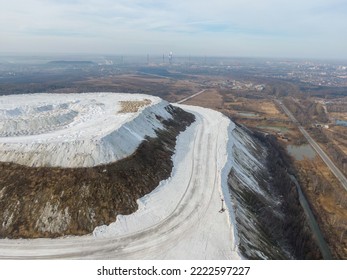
{"x":75,"y":130}
{"x":244,"y":164}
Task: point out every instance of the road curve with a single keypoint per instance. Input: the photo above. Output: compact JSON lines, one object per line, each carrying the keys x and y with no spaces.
{"x":338,"y":174}
{"x":193,"y":230}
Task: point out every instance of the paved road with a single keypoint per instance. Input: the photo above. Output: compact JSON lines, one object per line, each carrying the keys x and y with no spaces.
{"x":338,"y":174}
{"x":191,"y":96}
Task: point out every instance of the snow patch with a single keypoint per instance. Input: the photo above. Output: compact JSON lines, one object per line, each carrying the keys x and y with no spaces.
{"x":52,"y":219}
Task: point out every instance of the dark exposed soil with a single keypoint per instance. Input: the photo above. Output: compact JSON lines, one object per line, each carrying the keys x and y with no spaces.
{"x":51,"y":202}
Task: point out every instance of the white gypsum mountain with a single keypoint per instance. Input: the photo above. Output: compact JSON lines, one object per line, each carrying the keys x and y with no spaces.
{"x":180,"y":219}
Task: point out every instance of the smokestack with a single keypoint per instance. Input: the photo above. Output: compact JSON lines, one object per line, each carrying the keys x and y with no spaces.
{"x":170,"y":57}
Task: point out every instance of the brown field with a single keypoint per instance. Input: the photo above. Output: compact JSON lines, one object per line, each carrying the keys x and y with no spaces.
{"x":260,"y":113}
{"x":328,"y":201}
{"x":171,"y":90}
{"x":338,"y":135}
{"x":211,"y":98}
{"x":133,"y":106}
{"x":339,"y":116}
{"x":270,"y":109}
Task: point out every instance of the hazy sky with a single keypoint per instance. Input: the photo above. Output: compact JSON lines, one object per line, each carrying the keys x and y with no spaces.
{"x":273,"y":28}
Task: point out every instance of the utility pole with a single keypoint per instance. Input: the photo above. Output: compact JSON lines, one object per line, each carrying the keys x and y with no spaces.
{"x":222,"y":209}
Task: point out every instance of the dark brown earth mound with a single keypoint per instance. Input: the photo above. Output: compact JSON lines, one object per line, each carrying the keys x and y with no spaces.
{"x":51,"y":202}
